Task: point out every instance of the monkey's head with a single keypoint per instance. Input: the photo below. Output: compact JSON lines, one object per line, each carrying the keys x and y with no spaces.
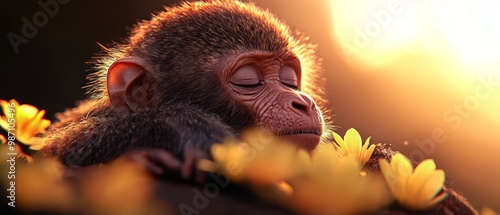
{"x":226,"y":58}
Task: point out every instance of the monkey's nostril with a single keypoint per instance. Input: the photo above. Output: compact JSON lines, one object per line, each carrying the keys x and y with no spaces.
{"x":300,"y":106}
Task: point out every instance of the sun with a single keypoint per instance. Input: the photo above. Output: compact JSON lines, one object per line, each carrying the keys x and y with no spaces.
{"x":380,"y":33}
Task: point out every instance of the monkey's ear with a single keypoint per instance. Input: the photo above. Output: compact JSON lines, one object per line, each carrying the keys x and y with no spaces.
{"x":128,"y":85}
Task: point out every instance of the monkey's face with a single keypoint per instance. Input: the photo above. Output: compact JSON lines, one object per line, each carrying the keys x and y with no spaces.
{"x":269,"y":86}
{"x":227,"y":59}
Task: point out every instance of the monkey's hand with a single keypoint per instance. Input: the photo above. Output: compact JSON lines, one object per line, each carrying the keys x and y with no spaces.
{"x":165,"y":164}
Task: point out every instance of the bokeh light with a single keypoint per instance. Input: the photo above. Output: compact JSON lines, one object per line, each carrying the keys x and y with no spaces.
{"x":426,"y":66}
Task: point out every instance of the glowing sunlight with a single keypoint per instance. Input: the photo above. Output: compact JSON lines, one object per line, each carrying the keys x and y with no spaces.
{"x":426,"y":67}
{"x":463,"y":32}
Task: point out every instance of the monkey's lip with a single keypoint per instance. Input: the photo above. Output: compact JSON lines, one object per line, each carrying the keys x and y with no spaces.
{"x":304,"y":139}
{"x":297,"y":132}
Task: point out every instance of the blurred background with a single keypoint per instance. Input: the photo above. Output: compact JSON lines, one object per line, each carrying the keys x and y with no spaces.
{"x":422,"y":75}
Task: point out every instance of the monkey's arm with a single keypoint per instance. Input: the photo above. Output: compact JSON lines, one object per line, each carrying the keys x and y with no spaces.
{"x":153,"y":137}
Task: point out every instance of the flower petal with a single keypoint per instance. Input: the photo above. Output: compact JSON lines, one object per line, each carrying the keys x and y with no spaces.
{"x":385,"y":167}
{"x":436,"y":199}
{"x":43,"y":124}
{"x":36,"y":143}
{"x":219,"y":152}
{"x":24,"y":114}
{"x":206,"y":165}
{"x":340,"y":141}
{"x":34,"y":125}
{"x":37,"y":124}
{"x":402,"y":169}
{"x":365,"y":146}
{"x":401,"y":166}
{"x":4,"y":123}
{"x":400,"y":189}
{"x":426,"y":166}
{"x":4,"y":120}
{"x":422,"y":173}
{"x":389,"y":176}
{"x":368,"y":154}
{"x":5,"y":106}
{"x":353,"y":140}
{"x":432,"y":186}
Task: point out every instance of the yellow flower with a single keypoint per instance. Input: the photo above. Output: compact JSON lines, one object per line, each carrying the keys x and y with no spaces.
{"x":352,"y":146}
{"x":321,"y":183}
{"x":334,"y":185}
{"x":228,"y":156}
{"x":414,"y":189}
{"x":28,"y":121}
{"x":260,"y":161}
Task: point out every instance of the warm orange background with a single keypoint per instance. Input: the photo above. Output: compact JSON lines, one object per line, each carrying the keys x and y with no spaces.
{"x":412,"y":68}
{"x":416,"y":74}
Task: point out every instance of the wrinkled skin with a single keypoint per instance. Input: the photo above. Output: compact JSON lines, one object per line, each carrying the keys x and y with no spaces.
{"x":269,"y":86}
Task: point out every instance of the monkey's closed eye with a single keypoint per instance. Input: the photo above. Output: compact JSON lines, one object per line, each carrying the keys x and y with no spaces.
{"x":288,"y":77}
{"x":260,"y":83}
{"x":246,"y":77}
{"x":294,"y":87}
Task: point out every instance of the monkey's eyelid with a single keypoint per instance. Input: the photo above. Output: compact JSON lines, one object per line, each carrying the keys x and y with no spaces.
{"x":249,"y":81}
{"x":260,"y":83}
{"x":289,"y":74}
{"x":247,"y":72}
{"x":291,"y":86}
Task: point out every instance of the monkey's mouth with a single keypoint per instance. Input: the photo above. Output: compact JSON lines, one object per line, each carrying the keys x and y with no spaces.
{"x":305,"y":131}
{"x":306,"y":139}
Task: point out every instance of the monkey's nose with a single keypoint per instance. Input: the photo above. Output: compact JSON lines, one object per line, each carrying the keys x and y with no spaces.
{"x":301,"y":104}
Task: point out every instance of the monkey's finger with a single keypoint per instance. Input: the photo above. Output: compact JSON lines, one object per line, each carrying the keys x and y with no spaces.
{"x":153,"y":167}
{"x":189,"y":167}
{"x":167,"y":159}
{"x":144,"y":158}
{"x":189,"y":162}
